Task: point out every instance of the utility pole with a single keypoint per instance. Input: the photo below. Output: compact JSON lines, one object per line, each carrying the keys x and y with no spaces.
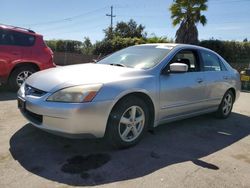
{"x":111,"y":18}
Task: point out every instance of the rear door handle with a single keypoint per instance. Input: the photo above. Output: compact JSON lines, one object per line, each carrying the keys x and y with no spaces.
{"x":15,"y":53}
{"x":225,"y":77}
{"x":199,"y":80}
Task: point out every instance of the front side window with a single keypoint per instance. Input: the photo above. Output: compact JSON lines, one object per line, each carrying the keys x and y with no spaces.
{"x":210,"y":61}
{"x":187,"y":57}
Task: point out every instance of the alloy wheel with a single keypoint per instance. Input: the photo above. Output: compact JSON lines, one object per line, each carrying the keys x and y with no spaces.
{"x":22,"y":76}
{"x":131,"y":123}
{"x":227,"y":104}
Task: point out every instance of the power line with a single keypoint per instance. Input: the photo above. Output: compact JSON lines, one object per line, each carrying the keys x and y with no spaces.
{"x":73,"y":24}
{"x":65,"y":19}
{"x":76,"y":30}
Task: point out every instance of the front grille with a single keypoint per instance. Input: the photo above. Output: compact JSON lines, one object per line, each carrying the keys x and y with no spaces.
{"x":29,"y":90}
{"x":36,"y":118}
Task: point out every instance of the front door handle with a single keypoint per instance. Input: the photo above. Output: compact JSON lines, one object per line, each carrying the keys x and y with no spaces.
{"x":199,"y":80}
{"x":225,"y":77}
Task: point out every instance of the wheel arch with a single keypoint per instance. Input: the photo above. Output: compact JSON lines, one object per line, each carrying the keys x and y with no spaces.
{"x":146,"y":98}
{"x":13,"y":86}
{"x":31,"y":64}
{"x":233,"y":91}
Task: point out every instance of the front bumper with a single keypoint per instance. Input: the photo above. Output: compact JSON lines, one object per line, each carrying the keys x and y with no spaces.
{"x":67,"y":119}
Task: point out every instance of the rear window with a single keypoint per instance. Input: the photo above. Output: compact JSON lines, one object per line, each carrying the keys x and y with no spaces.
{"x":16,"y":38}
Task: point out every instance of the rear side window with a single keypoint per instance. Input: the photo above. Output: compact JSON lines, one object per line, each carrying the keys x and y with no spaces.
{"x":211,"y":62}
{"x":5,"y":38}
{"x":16,"y":38}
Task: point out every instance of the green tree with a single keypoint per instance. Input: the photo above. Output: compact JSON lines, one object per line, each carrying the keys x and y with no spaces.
{"x":87,"y":46}
{"x":61,"y":46}
{"x":156,"y":39}
{"x":187,"y":14}
{"x":51,"y":44}
{"x":105,"y":47}
{"x":73,"y":46}
{"x":128,"y":29}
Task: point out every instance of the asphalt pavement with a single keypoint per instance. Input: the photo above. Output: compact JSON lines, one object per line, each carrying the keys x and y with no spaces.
{"x":196,"y":152}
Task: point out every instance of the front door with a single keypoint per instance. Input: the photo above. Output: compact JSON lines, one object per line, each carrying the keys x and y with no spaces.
{"x":182,"y":93}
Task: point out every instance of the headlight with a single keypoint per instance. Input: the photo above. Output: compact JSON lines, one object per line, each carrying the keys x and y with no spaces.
{"x":76,"y":94}
{"x":21,"y":89}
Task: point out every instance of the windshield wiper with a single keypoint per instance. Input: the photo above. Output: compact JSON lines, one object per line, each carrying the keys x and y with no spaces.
{"x":118,"y":64}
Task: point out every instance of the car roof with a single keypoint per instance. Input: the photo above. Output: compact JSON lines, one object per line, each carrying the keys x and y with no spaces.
{"x":159,"y":44}
{"x":18,"y":29}
{"x":176,"y":45}
{"x":173,"y":45}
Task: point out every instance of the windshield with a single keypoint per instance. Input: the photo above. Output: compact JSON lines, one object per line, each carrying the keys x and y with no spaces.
{"x":142,"y":57}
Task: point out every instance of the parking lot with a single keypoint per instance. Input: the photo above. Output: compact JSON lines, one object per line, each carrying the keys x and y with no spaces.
{"x":198,"y":152}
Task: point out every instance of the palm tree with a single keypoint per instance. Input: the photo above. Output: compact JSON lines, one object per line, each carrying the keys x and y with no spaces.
{"x":187,"y":13}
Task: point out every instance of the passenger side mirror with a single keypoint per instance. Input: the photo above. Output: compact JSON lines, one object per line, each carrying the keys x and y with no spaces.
{"x":178,"y":68}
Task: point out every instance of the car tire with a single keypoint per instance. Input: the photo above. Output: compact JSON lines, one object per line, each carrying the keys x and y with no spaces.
{"x":226,"y":105}
{"x":127,"y":122}
{"x":19,"y":75}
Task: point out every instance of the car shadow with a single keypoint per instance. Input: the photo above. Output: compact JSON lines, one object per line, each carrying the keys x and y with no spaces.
{"x":245,"y":91}
{"x":6,"y":95}
{"x":93,"y":162}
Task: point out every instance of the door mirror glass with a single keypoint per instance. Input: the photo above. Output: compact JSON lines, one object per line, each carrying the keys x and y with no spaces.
{"x":178,"y":67}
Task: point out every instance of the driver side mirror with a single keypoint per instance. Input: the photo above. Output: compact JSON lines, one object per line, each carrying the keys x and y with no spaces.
{"x":178,"y":68}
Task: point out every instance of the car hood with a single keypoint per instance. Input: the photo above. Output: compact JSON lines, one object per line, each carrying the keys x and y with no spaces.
{"x":90,"y":73}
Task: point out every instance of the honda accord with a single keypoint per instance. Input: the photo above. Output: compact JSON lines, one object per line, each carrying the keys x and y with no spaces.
{"x":129,"y":92}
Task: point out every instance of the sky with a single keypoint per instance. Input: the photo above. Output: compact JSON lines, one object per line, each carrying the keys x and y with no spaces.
{"x":76,"y":19}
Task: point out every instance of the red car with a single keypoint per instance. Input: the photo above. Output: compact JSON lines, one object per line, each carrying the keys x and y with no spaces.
{"x":22,"y":52}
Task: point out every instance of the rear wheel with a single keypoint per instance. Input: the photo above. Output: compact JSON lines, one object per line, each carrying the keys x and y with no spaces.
{"x":127,"y":122}
{"x":19,"y":75}
{"x":226,"y":105}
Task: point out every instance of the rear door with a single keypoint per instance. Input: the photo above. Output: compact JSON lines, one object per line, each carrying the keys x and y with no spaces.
{"x":24,"y":43}
{"x":217,"y":77}
{"x":182,"y":93}
{"x":9,"y":52}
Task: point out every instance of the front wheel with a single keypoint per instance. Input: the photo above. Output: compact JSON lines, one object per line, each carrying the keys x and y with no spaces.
{"x":226,"y":105}
{"x":19,"y":75}
{"x":127,"y":122}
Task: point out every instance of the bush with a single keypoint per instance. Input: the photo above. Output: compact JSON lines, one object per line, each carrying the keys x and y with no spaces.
{"x":156,"y":39}
{"x":72,"y":46}
{"x":109,"y":46}
{"x":232,"y":51}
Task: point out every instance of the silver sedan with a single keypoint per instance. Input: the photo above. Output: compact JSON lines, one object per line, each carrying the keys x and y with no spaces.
{"x":129,"y":92}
